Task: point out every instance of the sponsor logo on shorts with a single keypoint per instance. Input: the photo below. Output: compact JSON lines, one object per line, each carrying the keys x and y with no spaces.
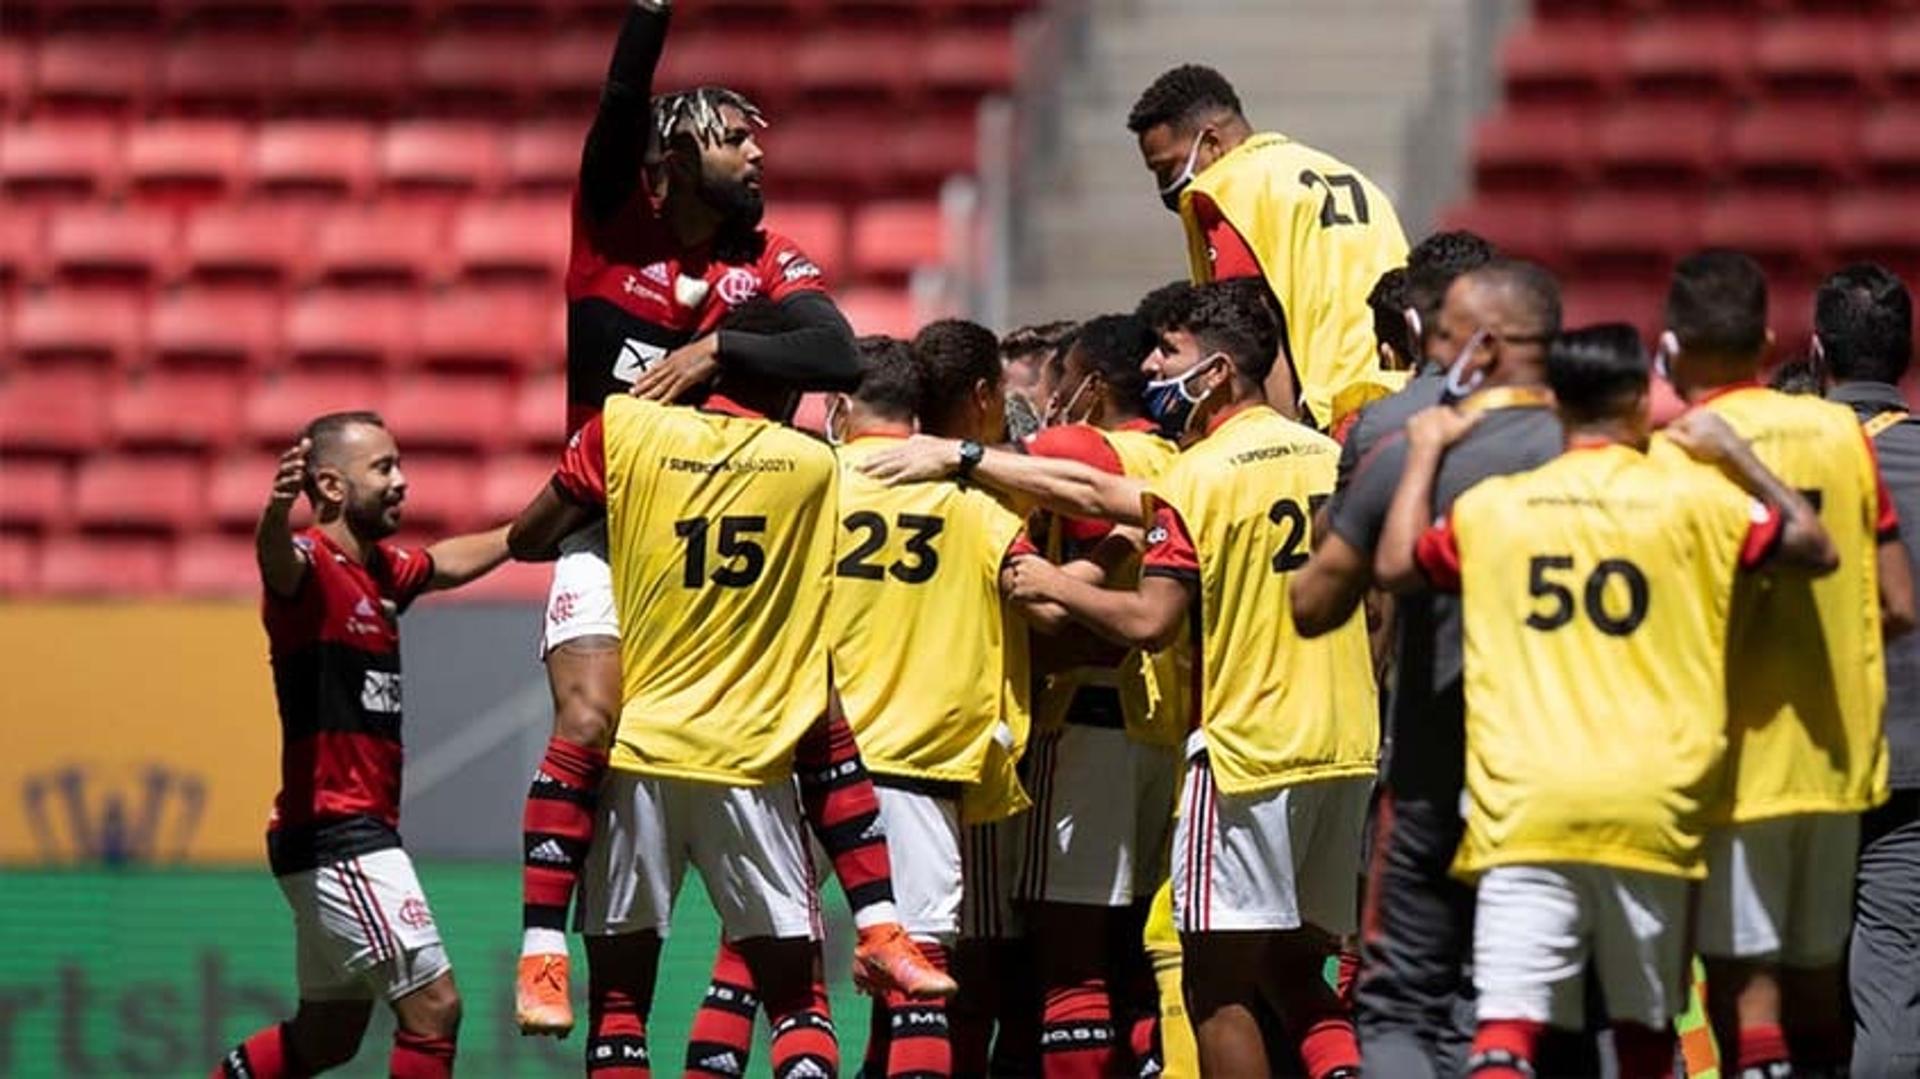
{"x":738,"y":285}
{"x":414,"y":913}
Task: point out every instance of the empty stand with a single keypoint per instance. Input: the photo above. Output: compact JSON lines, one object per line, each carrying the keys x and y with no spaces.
{"x":477,"y":329}
{"x":214,"y":566}
{"x":330,"y":159}
{"x":347,"y":326}
{"x":37,"y":494}
{"x":517,"y":240}
{"x":248,"y":245}
{"x":188,"y":161}
{"x":55,"y":159}
{"x":124,"y":246}
{"x":106,"y":566}
{"x":61,"y":325}
{"x":237,"y":488}
{"x":450,"y":412}
{"x":196,"y":328}
{"x":58,"y":411}
{"x":191,"y":410}
{"x":381,"y":244}
{"x":139,"y":493}
{"x":891,"y":238}
{"x":279,"y":407}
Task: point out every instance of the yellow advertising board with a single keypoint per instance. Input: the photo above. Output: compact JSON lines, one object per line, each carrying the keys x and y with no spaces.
{"x":135,"y":732}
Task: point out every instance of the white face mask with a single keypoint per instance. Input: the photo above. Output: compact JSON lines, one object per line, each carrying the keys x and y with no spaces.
{"x":1666,"y":351}
{"x":1462,"y":377}
{"x":1170,"y":194}
{"x":1063,"y":413}
{"x":836,"y":412}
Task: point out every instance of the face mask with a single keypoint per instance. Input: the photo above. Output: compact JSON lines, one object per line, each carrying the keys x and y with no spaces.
{"x":1461,"y":382}
{"x":1170,"y":403}
{"x":1023,"y":420}
{"x":1170,"y":194}
{"x":1064,"y":413}
{"x":835,"y":413}
{"x":1664,"y":353}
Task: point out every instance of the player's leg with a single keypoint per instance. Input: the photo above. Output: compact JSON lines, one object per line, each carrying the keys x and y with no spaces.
{"x":407,"y":964}
{"x":1744,"y":907}
{"x":923,"y":825}
{"x":632,"y":874}
{"x":581,"y":647}
{"x":1136,"y":983}
{"x":1224,"y":950}
{"x":426,"y":1027}
{"x":620,"y":977}
{"x":970,"y":1014}
{"x":1639,"y":927}
{"x":721,"y":1040}
{"x":1530,"y":947}
{"x":335,"y":1004}
{"x":1179,"y":1057}
{"x":1322,"y":825}
{"x":1813,"y":980}
{"x":1884,"y":960}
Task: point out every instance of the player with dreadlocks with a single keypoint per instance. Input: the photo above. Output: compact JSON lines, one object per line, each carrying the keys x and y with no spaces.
{"x":666,"y":243}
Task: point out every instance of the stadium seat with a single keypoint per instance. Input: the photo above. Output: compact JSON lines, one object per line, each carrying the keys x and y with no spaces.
{"x":893,"y":238}
{"x":573,"y":66}
{"x":143,"y":492}
{"x":1561,"y":60}
{"x":857,"y":62}
{"x":88,"y":72}
{"x":1796,"y":143}
{"x":1878,"y":226}
{"x":477,"y":70}
{"x":226,"y":74}
{"x":259,"y":245}
{"x":209,"y":564}
{"x":465,"y":412}
{"x":1690,"y":58}
{"x":813,"y":155}
{"x":278,"y":408}
{"x":350,"y":326}
{"x":443,"y":490}
{"x":925,"y":153}
{"x":757,"y":63}
{"x":314,"y":157}
{"x":1531,"y":149}
{"x":106,"y":566}
{"x":510,"y":481}
{"x":819,"y":228}
{"x":362,"y":74}
{"x":1528,"y":228}
{"x":1785,"y":230}
{"x":35,"y":493}
{"x":520,"y":240}
{"x":540,"y":412}
{"x":16,"y":83}
{"x":52,"y":159}
{"x":1903,"y":56}
{"x":1890,"y":147}
{"x":1639,"y":301}
{"x":69,"y":324}
{"x":1836,"y":57}
{"x":1668,"y":144}
{"x":175,"y":410}
{"x":22,"y":246}
{"x":237,"y":487}
{"x":879,"y":310}
{"x":545,"y":157}
{"x":485,"y":329}
{"x":382,"y":243}
{"x":195,"y":328}
{"x":55,"y":411}
{"x":1614,"y":225}
{"x":97,"y":244}
{"x":187,"y":161}
{"x":981,"y":62}
{"x":19,"y":564}
{"x":423,"y":157}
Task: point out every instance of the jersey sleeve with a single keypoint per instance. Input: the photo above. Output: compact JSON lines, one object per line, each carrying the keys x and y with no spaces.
{"x":1437,"y":553}
{"x":409,"y":572}
{"x":1359,"y":510}
{"x":1886,"y":518}
{"x":1226,"y":250}
{"x":1078,"y":442}
{"x":1170,"y":551}
{"x":1764,"y":526}
{"x":582,"y":475}
{"x":787,"y":270}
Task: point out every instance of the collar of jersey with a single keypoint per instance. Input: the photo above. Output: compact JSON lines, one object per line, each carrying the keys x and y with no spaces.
{"x":1142,"y":424}
{"x":1233,"y":412}
{"x":1592,"y":443}
{"x":1731,"y":387}
{"x":880,"y":436}
{"x":727,"y":406}
{"x":1499,"y":397}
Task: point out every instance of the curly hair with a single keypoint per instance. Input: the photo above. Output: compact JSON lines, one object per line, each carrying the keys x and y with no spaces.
{"x":952,"y":354}
{"x":1181,"y":96}
{"x":889,"y":379}
{"x":1233,"y":321}
{"x":696,"y":113}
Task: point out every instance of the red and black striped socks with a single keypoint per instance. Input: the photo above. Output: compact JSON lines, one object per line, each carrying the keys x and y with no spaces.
{"x":262,"y":1056}
{"x":1077,"y":1039}
{"x":845,"y":816}
{"x":721,"y":1040}
{"x":616,"y":1036}
{"x":420,"y":1056}
{"x":803,"y":1044}
{"x":556,"y":830}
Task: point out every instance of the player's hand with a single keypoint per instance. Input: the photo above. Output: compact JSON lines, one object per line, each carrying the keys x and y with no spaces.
{"x":291,"y":478}
{"x":1438,"y":427}
{"x":1706,"y":437}
{"x":1031,"y":579}
{"x":681,"y":370}
{"x":917,"y":460}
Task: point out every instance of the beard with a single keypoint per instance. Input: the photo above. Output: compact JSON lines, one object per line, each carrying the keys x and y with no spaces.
{"x":373,"y":519}
{"x":739,"y":205}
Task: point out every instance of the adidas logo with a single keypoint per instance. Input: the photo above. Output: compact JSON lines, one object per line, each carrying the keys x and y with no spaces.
{"x":873,"y":831}
{"x":550,"y":852}
{"x":806,"y":1068}
{"x":363,"y":609}
{"x":724,"y":1063}
{"x":657,"y":273}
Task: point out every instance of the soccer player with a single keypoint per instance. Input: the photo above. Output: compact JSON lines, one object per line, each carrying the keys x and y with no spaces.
{"x":932,"y":670}
{"x":1266,"y":851}
{"x":1863,"y":334}
{"x":334,"y":593}
{"x":1411,"y":1000}
{"x":666,"y":242}
{"x":1258,"y":204}
{"x":1806,"y":751}
{"x":720,"y":524}
{"x":1597,"y":591}
{"x":1026,"y":357}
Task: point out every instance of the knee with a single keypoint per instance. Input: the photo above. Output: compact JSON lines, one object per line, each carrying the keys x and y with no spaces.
{"x":433,"y":1010}
{"x":584,"y":722}
{"x":326,"y":1037}
{"x":330,"y":1050}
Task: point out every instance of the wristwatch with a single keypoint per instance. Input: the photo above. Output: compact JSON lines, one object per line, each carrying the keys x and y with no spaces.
{"x":970,"y":454}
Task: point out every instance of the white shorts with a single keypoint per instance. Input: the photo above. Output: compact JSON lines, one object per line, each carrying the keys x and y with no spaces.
{"x":989,"y":862}
{"x":1536,"y":927}
{"x":363,"y":929}
{"x":923,"y":842}
{"x":580,"y":601}
{"x":1102,"y":814}
{"x":1275,"y":860}
{"x":747,"y":842}
{"x":1781,"y":890}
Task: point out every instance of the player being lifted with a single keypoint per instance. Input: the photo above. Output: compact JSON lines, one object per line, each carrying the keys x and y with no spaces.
{"x":1597,"y":590}
{"x":666,"y":241}
{"x":1806,"y":751}
{"x":1266,"y":853}
{"x":333,"y":595}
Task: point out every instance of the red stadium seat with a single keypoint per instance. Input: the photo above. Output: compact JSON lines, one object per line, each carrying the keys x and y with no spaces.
{"x":187,"y":160}
{"x":196,"y":327}
{"x":176,"y":410}
{"x":545,"y":157}
{"x":98,"y":244}
{"x":451,"y":412}
{"x":1890,"y":146}
{"x":980,"y":62}
{"x":1561,"y":60}
{"x":1626,"y":226}
{"x":330,"y":158}
{"x":1669,"y":144}
{"x":381,"y":243}
{"x":59,"y":159}
{"x":1903,"y":56}
{"x":1797,"y":143}
{"x":35,"y":493}
{"x":894,"y":238}
{"x":22,"y":246}
{"x":521,"y":240}
{"x":1637,"y":301}
{"x":879,"y":310}
{"x":94,"y":72}
{"x":237,"y":488}
{"x":66,"y":324}
{"x":351,"y":326}
{"x":510,"y":482}
{"x":757,"y":63}
{"x":106,"y":566}
{"x":1786,"y":230}
{"x":443,"y":490}
{"x":427,"y":157}
{"x":845,"y":62}
{"x":1879,"y":226}
{"x":1830,"y":56}
{"x":139,"y":493}
{"x":925,"y":153}
{"x":486,"y":69}
{"x":1690,"y":58}
{"x":56,"y":411}
{"x":15,"y":80}
{"x":573,"y":66}
{"x":357,"y":73}
{"x":540,"y":412}
{"x":260,"y":245}
{"x":485,"y":329}
{"x":19,"y":564}
{"x":215,"y":565}
{"x":819,"y":228}
{"x":280,"y":407}
{"x":1533,"y":229}
{"x":814,"y":154}
{"x":1528,"y":150}
{"x":227,"y":74}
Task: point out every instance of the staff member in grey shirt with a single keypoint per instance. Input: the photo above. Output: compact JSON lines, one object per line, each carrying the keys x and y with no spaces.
{"x":1863,"y":338}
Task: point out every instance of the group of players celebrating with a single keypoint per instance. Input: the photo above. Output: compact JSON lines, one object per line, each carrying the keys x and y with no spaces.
{"x":1066,"y":653}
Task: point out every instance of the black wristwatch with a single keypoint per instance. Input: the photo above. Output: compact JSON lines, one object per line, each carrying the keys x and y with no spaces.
{"x":970,"y":454}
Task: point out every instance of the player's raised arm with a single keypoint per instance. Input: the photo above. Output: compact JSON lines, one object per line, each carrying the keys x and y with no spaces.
{"x":1062,"y":486}
{"x":282,"y":566}
{"x":460,"y":559}
{"x":610,"y":165}
{"x":1804,"y":543}
{"x":1429,"y":433}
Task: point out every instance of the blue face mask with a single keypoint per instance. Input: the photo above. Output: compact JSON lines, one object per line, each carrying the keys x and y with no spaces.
{"x":1170,"y":402}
